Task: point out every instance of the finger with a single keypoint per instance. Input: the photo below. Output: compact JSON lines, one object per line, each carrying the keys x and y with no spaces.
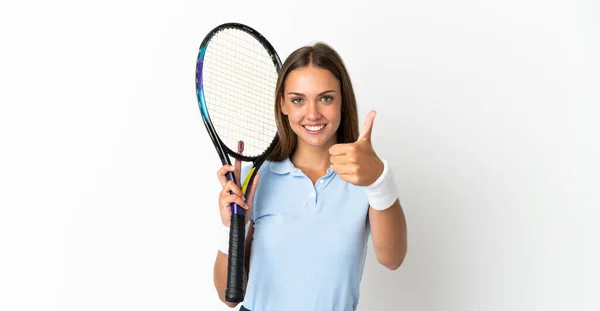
{"x":238,"y":164}
{"x":341,"y":149}
{"x":230,"y":188}
{"x":252,"y":189}
{"x":232,"y":198}
{"x":365,"y":134}
{"x":222,"y":173}
{"x":342,"y":169}
{"x":346,"y":159}
{"x":237,"y":172}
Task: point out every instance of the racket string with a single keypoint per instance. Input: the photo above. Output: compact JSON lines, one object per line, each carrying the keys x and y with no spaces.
{"x":239,"y":83}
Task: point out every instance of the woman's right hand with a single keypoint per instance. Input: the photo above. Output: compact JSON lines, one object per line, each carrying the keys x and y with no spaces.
{"x":231,"y":192}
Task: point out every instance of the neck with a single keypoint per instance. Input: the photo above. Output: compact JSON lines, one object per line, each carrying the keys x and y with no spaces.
{"x":306,"y":156}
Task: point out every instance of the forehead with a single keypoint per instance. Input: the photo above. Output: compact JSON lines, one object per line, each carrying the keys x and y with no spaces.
{"x":311,"y":79}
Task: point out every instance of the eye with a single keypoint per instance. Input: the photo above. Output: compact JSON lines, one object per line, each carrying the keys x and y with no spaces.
{"x":297,"y":101}
{"x":326,"y":98}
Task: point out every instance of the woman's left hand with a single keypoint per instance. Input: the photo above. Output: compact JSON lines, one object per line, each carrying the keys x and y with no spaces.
{"x":357,"y":162}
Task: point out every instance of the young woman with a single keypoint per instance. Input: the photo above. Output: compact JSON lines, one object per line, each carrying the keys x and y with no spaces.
{"x":322,"y":192}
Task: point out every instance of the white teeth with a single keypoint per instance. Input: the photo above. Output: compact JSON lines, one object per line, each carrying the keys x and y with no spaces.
{"x":314,"y":128}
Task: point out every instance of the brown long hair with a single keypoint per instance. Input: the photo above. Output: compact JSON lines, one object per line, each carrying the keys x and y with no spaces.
{"x":323,"y":56}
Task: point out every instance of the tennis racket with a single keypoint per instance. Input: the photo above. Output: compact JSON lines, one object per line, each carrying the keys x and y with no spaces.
{"x":236,"y":76}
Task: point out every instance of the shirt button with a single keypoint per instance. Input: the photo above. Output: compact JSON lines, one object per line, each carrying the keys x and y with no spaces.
{"x":321,"y":181}
{"x":312,"y":194}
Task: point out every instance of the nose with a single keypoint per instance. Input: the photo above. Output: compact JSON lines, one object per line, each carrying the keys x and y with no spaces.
{"x":312,"y":111}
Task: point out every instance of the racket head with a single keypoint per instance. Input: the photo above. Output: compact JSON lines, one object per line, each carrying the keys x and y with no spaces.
{"x":236,"y":74}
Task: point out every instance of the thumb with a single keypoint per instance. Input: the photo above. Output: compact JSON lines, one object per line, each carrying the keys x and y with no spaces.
{"x":365,"y":134}
{"x":252,"y":189}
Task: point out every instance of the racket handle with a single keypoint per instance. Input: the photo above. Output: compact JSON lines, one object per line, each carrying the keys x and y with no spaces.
{"x":235,"y":209}
{"x":235,"y":266}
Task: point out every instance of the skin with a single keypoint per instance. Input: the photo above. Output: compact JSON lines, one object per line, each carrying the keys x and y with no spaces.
{"x":313,"y":98}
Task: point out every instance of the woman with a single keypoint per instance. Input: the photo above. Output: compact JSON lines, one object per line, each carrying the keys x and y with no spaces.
{"x":322,"y":192}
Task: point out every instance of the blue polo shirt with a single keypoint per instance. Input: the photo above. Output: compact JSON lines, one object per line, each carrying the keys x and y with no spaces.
{"x":310,"y":241}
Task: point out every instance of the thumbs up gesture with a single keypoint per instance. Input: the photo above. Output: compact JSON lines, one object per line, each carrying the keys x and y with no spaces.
{"x":357,"y":162}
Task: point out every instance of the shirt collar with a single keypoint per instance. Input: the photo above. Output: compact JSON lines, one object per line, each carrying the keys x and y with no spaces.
{"x":287,"y":167}
{"x":282,"y":167}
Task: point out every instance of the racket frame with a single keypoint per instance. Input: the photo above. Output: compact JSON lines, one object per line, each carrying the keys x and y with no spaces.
{"x":234,"y":291}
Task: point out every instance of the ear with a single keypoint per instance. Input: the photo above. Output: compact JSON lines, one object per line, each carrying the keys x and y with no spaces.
{"x":283,"y":106}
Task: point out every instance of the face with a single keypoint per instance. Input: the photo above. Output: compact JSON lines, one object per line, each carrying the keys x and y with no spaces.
{"x":312,"y":102}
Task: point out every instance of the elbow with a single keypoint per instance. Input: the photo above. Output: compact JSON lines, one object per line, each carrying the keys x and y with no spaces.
{"x":394,"y":261}
{"x":392,"y":264}
{"x":227,"y":303}
{"x":392,"y":268}
{"x":231,"y":304}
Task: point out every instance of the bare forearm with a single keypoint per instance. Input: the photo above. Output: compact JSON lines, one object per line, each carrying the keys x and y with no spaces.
{"x":388,"y":229}
{"x":220,"y":277}
{"x":220,"y":269}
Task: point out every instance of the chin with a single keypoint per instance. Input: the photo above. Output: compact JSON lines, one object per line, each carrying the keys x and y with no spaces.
{"x":317,"y":144}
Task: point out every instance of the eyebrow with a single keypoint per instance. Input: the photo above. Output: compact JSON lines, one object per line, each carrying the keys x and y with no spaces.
{"x":322,"y":93}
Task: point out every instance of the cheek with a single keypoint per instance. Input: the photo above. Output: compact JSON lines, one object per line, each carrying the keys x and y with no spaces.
{"x":294,"y":114}
{"x":334,"y":112}
{"x":335,"y":116}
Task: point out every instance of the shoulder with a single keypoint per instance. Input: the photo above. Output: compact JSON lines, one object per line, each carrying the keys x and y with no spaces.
{"x":271,"y":167}
{"x":269,"y":170}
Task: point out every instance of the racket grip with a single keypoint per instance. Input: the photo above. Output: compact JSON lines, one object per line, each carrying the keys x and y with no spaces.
{"x":235,"y":209}
{"x":235,"y":265}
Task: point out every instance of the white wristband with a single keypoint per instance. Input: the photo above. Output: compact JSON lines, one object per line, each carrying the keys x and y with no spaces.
{"x":383,"y":192}
{"x":224,"y":238}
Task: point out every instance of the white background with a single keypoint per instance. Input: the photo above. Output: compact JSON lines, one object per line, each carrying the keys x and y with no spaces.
{"x":487,"y":111}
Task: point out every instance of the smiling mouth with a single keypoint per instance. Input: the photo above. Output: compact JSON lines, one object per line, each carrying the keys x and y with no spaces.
{"x":314,"y":128}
